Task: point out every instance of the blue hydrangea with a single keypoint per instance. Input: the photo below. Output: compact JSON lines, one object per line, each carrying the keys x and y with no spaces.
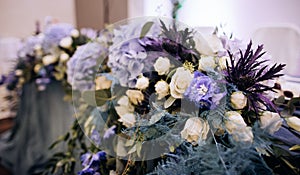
{"x":82,"y":66}
{"x":127,"y":57}
{"x":28,"y":46}
{"x":54,"y":33}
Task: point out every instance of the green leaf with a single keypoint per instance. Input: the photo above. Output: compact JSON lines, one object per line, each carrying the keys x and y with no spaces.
{"x":96,"y":98}
{"x":146,"y":29}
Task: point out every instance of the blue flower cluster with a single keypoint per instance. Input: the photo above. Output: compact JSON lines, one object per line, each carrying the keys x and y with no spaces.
{"x":83,"y":65}
{"x":91,"y":163}
{"x":54,"y":33}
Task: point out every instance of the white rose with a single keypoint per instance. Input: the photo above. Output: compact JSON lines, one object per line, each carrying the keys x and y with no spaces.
{"x":49,"y":59}
{"x":102,"y":83}
{"x":124,"y":106}
{"x":222,"y":62}
{"x":180,"y":82}
{"x":162,"y":89}
{"x":74,"y":33}
{"x":236,"y":126}
{"x":135,"y":96}
{"x":207,"y":63}
{"x":195,"y":129}
{"x":234,"y":122}
{"x":66,"y":42}
{"x":127,"y":120}
{"x":142,"y":83}
{"x":270,"y":121}
{"x":208,"y":44}
{"x":64,"y":57}
{"x":18,"y":72}
{"x":244,"y":135}
{"x":238,"y":100}
{"x":293,"y":122}
{"x":162,"y":65}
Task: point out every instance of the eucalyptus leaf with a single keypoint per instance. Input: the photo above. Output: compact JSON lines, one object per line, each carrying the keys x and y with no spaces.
{"x":146,"y":29}
{"x":96,"y":98}
{"x":139,"y":148}
{"x":132,"y":150}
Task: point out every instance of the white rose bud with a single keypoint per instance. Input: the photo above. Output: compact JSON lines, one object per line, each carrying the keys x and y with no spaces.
{"x":128,"y":120}
{"x":234,"y":122}
{"x":162,"y":89}
{"x":135,"y":96}
{"x":18,"y":72}
{"x":49,"y":59}
{"x":37,"y":47}
{"x":75,"y":33}
{"x":270,"y":121}
{"x":142,"y":83}
{"x":207,"y":63}
{"x":238,"y":100}
{"x":64,"y":57}
{"x":195,"y":129}
{"x":66,"y":42}
{"x":162,"y":65}
{"x":180,"y":82}
{"x":37,"y":68}
{"x":222,"y":62}
{"x":293,"y":122}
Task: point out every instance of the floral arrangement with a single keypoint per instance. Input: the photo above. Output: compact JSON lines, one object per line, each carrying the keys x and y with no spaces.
{"x":44,"y":55}
{"x":165,"y":99}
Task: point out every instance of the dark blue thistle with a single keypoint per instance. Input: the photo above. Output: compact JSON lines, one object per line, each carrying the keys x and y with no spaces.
{"x":248,"y":73}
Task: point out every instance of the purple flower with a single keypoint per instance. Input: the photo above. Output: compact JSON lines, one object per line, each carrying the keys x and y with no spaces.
{"x":201,"y":90}
{"x":109,"y":132}
{"x":90,"y":33}
{"x":95,"y":136}
{"x":91,"y":163}
{"x":128,"y":61}
{"x":54,"y":33}
{"x":28,"y":46}
{"x":82,"y":66}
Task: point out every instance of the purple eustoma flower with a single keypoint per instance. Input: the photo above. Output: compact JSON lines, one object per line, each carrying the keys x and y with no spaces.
{"x":91,"y":163}
{"x":201,"y":90}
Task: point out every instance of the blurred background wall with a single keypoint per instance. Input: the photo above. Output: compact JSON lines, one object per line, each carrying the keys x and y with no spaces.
{"x":17,"y":18}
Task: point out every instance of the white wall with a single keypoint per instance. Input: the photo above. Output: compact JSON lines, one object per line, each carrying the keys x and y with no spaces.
{"x":241,"y":16}
{"x":17,"y":17}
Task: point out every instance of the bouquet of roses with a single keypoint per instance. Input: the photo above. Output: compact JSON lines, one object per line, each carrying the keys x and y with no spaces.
{"x":169,"y":100}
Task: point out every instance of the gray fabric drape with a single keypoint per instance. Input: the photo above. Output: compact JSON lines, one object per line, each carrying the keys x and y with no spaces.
{"x":41,"y":118}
